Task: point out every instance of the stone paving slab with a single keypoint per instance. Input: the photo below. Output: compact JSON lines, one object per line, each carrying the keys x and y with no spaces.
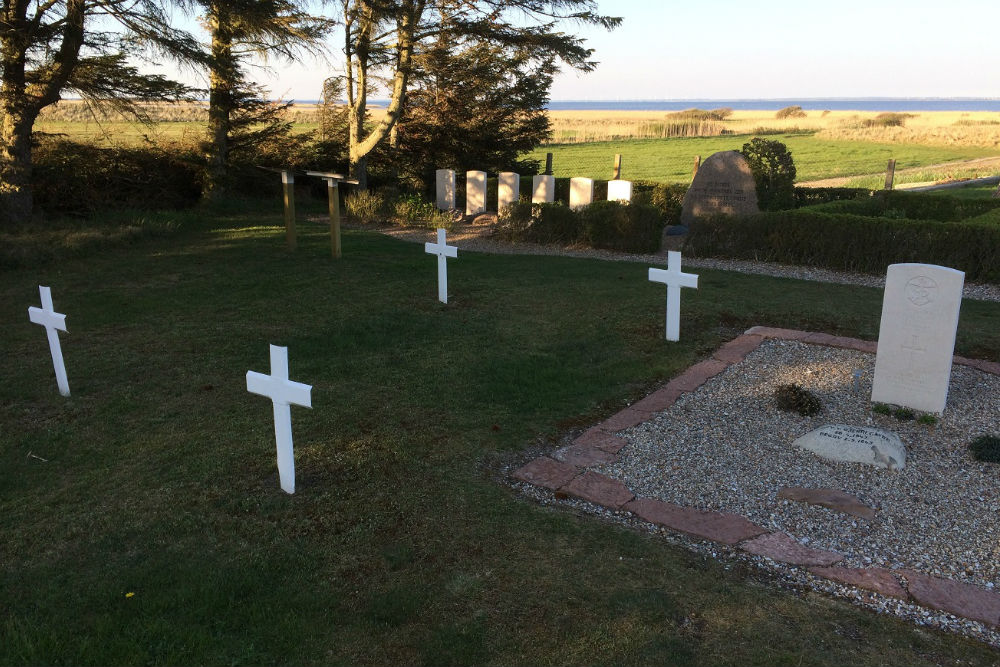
{"x":599,"y":489}
{"x":875,"y":579}
{"x":697,"y":375}
{"x":775,"y":332}
{"x":715,"y":526}
{"x":601,"y":439}
{"x":738,"y":348}
{"x":546,"y":472}
{"x":583,"y":456}
{"x":829,"y":498}
{"x":623,"y":420}
{"x":659,"y":400}
{"x":954,"y":597}
{"x":781,"y":547}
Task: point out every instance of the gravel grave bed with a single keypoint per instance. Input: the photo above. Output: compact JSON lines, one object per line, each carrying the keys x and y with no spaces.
{"x":728,"y":447}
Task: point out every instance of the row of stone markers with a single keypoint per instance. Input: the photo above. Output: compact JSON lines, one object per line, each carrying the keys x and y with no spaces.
{"x":543,"y":190}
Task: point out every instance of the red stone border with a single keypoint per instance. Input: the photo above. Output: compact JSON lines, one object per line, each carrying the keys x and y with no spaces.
{"x":564,"y":474}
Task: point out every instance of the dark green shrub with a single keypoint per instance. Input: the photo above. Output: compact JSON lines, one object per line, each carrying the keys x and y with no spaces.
{"x":881,"y":409}
{"x":904,"y":414}
{"x":78,"y":179}
{"x":794,"y":398}
{"x":628,"y":227}
{"x":986,"y":448}
{"x":773,"y":171}
{"x":790,"y":112}
{"x":814,"y":196}
{"x":849,"y":242}
{"x":513,"y":222}
{"x":554,"y":223}
{"x":927,"y":420}
{"x":912,"y":206}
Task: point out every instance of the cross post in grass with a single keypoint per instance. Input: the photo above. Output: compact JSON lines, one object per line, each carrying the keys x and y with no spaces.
{"x":333,"y":182}
{"x":674,"y":279}
{"x":52,"y":321}
{"x":443,"y":251}
{"x":283,"y":393}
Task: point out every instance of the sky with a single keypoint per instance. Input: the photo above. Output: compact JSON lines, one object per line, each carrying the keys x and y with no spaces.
{"x":763,"y":49}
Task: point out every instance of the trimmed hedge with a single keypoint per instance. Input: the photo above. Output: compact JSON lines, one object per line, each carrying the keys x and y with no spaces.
{"x":912,"y":206}
{"x":814,"y":196}
{"x":849,"y":242}
{"x":611,"y":225}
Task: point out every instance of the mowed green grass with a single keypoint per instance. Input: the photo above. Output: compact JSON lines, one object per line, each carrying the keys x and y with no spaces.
{"x":154,"y":531}
{"x":672,"y":160}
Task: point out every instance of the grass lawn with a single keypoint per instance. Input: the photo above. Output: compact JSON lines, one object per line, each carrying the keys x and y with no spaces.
{"x":672,"y":160}
{"x":401,"y":545}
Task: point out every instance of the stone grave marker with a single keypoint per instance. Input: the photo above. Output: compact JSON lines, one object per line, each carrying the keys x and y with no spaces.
{"x":445,"y":189}
{"x":620,"y":191}
{"x":723,"y":184}
{"x":674,"y":280}
{"x":443,"y":251}
{"x":508,"y":189}
{"x":475,"y":192}
{"x":581,"y":192}
{"x":916,"y":339}
{"x":855,"y":444}
{"x":543,"y":189}
{"x":283,"y":393}
{"x":53,"y":322}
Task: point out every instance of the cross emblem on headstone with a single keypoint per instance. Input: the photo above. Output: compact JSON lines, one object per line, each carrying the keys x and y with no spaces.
{"x":52,"y":321}
{"x":674,"y":280}
{"x":443,"y":251}
{"x":283,"y":393}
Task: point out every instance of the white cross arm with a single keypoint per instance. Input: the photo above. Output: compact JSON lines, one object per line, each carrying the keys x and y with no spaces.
{"x":285,"y":392}
{"x":47,"y":318}
{"x":673,"y":278}
{"x":436,"y":249}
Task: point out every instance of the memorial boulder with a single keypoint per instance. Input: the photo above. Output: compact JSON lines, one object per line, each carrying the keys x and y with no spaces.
{"x":724,"y":185}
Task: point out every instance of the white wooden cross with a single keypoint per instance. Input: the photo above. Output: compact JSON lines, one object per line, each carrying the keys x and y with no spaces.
{"x":52,"y":321}
{"x":674,"y":280}
{"x":283,"y":393}
{"x":442,"y":250}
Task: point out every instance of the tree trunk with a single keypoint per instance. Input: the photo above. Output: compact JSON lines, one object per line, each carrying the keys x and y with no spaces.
{"x":223,"y":79}
{"x":16,"y":200}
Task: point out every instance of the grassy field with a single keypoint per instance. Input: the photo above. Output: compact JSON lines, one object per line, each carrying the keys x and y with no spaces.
{"x":672,"y":160}
{"x":142,"y":518}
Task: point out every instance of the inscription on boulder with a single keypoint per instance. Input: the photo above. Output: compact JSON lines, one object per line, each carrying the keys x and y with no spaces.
{"x":724,"y":184}
{"x":855,"y":444}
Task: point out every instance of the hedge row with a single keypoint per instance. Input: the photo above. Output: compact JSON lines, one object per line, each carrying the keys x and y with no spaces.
{"x":631,"y":227}
{"x":913,"y":206}
{"x":849,"y":242}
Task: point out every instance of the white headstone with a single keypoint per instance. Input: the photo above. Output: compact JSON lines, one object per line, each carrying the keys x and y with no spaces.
{"x":916,"y":339}
{"x":543,"y":189}
{"x":620,"y":191}
{"x":52,"y":321}
{"x":674,"y":280}
{"x":855,"y":444}
{"x":442,"y":250}
{"x":283,"y":393}
{"x":508,"y":189}
{"x":445,"y":189}
{"x":581,"y":192}
{"x":475,"y":192}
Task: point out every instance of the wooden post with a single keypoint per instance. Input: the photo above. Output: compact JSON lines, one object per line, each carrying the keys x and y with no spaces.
{"x":334,"y":192}
{"x":288,"y":186}
{"x":697,"y":164}
{"x":890,"y":172}
{"x":618,"y":167}
{"x":548,"y":164}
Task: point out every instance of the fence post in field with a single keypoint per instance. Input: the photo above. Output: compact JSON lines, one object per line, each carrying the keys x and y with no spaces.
{"x":617,"y":174}
{"x":697,"y":163}
{"x":288,"y":187}
{"x":890,"y":173}
{"x":548,"y":164}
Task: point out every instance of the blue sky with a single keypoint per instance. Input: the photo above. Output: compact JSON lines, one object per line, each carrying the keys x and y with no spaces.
{"x":719,"y":49}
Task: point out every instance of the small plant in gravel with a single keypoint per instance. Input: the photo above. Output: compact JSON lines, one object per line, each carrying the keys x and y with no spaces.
{"x":986,"y":448}
{"x":904,"y":414}
{"x":882,"y":409}
{"x":794,"y":398}
{"x":927,"y":420}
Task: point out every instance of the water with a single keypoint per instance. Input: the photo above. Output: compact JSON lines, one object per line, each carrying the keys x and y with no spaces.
{"x":809,"y":104}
